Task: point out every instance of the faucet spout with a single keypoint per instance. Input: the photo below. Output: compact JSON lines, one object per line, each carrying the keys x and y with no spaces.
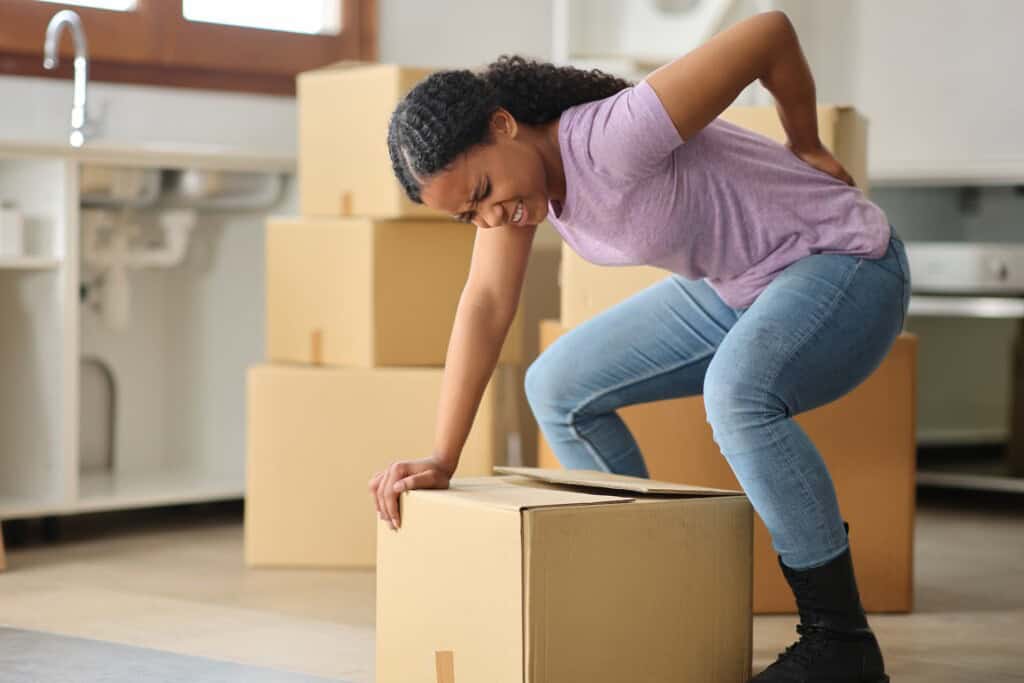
{"x":51,"y":57}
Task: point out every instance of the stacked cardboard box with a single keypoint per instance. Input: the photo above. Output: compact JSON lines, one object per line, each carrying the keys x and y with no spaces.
{"x":361,"y":296}
{"x":867,"y":438}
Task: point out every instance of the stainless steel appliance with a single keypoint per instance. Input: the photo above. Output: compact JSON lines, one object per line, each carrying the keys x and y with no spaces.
{"x":975,"y":280}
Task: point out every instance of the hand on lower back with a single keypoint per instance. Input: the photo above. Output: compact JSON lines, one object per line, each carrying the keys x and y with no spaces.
{"x":821,"y":159}
{"x":386,"y":486}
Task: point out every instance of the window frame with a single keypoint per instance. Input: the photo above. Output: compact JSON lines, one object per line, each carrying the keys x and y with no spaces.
{"x":156,"y":45}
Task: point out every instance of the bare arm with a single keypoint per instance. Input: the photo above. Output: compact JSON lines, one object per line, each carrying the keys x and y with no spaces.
{"x":486,"y":308}
{"x":482,"y":319}
{"x":697,"y":87}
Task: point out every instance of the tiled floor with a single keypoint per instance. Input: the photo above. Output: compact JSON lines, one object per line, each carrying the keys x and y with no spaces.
{"x":174,"y":580}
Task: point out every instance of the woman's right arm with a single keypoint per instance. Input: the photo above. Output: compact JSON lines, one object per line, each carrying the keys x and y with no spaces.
{"x":485,"y":311}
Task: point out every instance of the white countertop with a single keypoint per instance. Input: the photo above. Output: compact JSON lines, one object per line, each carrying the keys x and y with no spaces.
{"x":162,"y":155}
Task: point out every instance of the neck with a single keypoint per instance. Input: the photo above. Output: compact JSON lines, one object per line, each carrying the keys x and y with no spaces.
{"x":551,"y":156}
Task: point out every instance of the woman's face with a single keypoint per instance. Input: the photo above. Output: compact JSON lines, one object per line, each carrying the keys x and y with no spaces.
{"x":502,"y":182}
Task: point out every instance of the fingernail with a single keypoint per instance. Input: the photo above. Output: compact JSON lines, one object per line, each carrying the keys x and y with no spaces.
{"x":394,"y":523}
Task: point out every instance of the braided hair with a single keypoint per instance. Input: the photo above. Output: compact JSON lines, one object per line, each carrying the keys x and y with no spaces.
{"x":450,"y":111}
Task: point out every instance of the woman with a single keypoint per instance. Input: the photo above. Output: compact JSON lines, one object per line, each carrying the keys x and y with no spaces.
{"x":790,"y":285}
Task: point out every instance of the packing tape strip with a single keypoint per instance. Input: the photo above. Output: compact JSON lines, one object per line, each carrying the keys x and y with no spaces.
{"x":316,"y":347}
{"x":445,"y":662}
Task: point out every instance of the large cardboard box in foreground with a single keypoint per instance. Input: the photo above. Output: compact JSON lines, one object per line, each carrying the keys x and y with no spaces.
{"x":366,"y":293}
{"x":566,"y":576}
{"x":344,"y":167}
{"x":588,"y":289}
{"x":316,"y":436}
{"x":868,"y":441}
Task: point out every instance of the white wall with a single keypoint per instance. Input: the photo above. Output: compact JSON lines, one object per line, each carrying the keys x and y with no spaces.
{"x":649,"y":30}
{"x":454,"y":33}
{"x":38,"y":109}
{"x":826,"y":35}
{"x":939,"y":81}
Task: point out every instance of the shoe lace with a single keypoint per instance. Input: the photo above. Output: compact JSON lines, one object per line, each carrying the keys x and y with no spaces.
{"x":804,"y":651}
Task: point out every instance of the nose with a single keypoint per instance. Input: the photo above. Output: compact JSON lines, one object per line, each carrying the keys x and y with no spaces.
{"x":491,"y":216}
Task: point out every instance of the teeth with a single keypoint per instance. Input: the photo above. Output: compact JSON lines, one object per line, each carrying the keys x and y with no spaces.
{"x":518,"y":214}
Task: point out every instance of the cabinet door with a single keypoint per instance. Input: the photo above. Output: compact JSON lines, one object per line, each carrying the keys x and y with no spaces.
{"x":38,"y":308}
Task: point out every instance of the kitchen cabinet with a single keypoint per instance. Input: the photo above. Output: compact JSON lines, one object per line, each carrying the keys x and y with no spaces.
{"x":176,"y":418}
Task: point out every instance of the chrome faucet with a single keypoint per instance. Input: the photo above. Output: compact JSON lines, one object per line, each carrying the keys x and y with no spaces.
{"x":50,"y":58}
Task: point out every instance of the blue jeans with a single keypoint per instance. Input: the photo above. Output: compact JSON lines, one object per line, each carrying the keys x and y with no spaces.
{"x":816,"y":332}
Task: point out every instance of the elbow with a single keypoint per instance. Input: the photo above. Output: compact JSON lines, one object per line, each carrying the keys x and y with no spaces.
{"x":780,"y":24}
{"x":778,"y":17}
{"x":780,"y":43}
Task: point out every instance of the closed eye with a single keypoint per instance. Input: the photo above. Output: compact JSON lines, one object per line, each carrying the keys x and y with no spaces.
{"x":482,"y":193}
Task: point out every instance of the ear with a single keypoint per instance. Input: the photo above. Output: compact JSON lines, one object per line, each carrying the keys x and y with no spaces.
{"x":504,"y":124}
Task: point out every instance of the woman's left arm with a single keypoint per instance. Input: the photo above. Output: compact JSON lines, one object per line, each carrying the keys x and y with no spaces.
{"x":697,"y":87}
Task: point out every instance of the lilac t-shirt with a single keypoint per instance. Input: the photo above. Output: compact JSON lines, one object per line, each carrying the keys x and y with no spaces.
{"x":728,"y":205}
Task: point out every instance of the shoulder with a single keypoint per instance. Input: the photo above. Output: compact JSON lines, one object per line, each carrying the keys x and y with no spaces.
{"x":637,"y":105}
{"x":627,"y":133}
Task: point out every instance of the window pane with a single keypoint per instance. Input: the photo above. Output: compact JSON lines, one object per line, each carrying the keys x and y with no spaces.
{"x":294,"y":16}
{"x":119,"y":5}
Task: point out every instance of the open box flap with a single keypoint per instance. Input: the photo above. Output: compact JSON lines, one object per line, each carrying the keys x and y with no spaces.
{"x":613,"y":482}
{"x":512,"y":493}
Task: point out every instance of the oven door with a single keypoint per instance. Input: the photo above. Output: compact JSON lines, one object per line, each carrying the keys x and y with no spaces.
{"x":967,"y":310}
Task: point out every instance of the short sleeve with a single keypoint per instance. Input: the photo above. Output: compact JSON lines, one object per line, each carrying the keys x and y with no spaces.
{"x":628,"y":134}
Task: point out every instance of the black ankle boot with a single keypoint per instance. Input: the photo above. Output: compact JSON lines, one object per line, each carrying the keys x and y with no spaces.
{"x":836,"y":645}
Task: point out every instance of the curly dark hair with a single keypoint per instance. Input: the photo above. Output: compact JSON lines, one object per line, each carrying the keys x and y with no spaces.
{"x":449,"y":112}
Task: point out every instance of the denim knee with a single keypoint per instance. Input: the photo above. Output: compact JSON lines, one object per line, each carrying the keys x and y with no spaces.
{"x":737,"y":409}
{"x":544,"y":389}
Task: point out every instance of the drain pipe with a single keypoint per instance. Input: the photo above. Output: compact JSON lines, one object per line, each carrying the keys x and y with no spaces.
{"x":115,"y":258}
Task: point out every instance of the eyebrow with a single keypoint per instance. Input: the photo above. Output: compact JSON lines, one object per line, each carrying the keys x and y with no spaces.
{"x":481,"y":186}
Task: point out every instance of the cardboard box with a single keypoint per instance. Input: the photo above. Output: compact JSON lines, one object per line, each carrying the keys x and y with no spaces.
{"x":316,"y":436}
{"x":578,"y":576}
{"x":588,"y":289}
{"x":539,"y":302}
{"x":867,"y":439}
{"x":344,"y":167}
{"x":365,"y":293}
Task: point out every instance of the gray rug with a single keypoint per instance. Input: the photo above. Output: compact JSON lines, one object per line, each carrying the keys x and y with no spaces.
{"x":37,"y":657}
